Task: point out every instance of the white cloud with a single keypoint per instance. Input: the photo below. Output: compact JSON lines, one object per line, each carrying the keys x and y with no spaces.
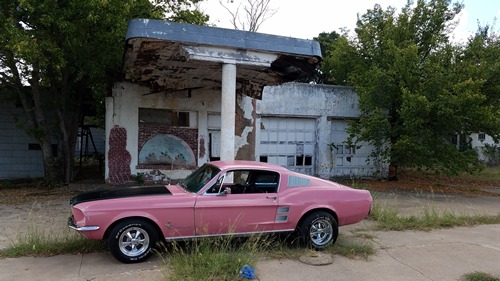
{"x":461,"y":32}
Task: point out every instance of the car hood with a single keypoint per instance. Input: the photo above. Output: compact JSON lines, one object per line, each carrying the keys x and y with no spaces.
{"x":120,"y":192}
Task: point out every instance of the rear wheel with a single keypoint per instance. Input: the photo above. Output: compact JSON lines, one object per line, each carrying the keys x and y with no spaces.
{"x":318,"y":230}
{"x":131,"y":241}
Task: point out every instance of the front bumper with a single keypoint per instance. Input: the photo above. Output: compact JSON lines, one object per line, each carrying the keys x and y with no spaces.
{"x":72,"y":225}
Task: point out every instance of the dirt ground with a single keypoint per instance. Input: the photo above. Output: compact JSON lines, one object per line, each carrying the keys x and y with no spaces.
{"x":27,"y":209}
{"x":486,"y":184}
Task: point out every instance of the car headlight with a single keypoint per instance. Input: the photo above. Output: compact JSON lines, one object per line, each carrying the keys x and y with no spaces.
{"x":78,"y":216}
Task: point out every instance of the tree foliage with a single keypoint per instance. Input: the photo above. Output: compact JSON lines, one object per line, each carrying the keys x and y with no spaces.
{"x":327,"y":43}
{"x":416,"y":90}
{"x":57,"y":54}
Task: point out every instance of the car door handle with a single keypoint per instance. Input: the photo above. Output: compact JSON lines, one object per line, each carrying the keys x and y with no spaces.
{"x":271,"y":197}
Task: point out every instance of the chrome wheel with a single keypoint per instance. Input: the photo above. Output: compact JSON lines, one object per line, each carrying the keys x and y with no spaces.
{"x":134,"y":242}
{"x":131,"y":240}
{"x":318,"y":230}
{"x":321,"y":231}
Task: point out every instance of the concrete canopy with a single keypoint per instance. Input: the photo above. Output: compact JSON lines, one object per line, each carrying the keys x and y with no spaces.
{"x":171,"y":57}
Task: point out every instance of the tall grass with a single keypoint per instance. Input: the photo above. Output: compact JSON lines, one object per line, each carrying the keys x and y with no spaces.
{"x":388,"y":218}
{"x":43,"y":242}
{"x":221,"y":258}
{"x":215,"y":258}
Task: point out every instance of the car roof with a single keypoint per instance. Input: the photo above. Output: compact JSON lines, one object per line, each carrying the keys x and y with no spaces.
{"x":245,"y":164}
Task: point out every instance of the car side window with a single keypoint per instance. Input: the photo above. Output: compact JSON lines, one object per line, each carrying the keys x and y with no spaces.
{"x":264,"y":182}
{"x":246,"y":182}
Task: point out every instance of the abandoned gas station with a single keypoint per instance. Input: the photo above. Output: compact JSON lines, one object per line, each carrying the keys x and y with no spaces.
{"x":193,"y":94}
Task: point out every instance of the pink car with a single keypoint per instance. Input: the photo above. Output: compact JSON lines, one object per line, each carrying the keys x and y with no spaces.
{"x":219,"y":198}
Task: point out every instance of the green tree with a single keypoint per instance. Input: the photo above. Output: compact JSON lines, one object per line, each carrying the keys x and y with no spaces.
{"x":57,"y":54}
{"x":417,"y":90}
{"x":327,"y":43}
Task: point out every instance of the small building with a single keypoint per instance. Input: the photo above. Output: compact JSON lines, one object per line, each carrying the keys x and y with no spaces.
{"x":190,"y":87}
{"x":488,"y":151}
{"x":20,"y":154}
{"x":303,"y":127}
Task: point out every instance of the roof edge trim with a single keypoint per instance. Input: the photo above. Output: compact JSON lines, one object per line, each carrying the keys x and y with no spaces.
{"x":214,"y":36}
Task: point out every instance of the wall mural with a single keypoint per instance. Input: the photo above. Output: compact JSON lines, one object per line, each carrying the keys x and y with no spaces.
{"x":166,"y":150}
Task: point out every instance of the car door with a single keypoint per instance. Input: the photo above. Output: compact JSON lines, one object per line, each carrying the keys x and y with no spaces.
{"x":235,"y":204}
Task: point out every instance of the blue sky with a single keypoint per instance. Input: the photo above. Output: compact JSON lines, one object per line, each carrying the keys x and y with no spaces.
{"x":484,"y":10}
{"x":296,"y":19}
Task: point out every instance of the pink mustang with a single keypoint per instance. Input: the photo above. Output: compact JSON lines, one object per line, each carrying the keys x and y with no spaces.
{"x":219,"y":198}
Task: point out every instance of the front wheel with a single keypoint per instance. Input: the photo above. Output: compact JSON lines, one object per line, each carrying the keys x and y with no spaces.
{"x":131,"y":241}
{"x":318,"y":230}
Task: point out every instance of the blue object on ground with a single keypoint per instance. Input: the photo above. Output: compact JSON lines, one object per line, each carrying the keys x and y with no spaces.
{"x":247,"y":272}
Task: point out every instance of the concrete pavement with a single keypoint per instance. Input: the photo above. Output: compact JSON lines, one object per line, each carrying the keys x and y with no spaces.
{"x":410,"y":255}
{"x":95,"y":267}
{"x":414,"y":256}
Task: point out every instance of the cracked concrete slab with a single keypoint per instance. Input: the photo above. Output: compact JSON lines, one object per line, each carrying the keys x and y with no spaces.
{"x":95,"y":267}
{"x":404,"y":255}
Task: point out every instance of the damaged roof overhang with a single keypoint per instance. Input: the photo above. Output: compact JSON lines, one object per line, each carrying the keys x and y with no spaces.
{"x":158,"y":55}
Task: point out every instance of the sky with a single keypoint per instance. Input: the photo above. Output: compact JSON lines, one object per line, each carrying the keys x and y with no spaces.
{"x":296,"y":19}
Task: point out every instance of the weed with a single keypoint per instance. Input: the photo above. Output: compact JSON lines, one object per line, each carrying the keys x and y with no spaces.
{"x":388,"y":218}
{"x":215,"y":258}
{"x":139,"y":178}
{"x":221,"y":258}
{"x":45,"y":240}
{"x":479,"y":276}
{"x":352,"y":248}
{"x":48,"y":243}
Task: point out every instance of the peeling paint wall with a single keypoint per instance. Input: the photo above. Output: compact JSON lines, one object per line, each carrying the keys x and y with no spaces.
{"x":300,"y":99}
{"x":323,"y":109}
{"x":122,"y":110}
{"x":245,"y":128}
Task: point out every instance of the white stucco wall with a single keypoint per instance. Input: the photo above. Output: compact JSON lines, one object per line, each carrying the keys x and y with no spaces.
{"x":300,"y":99}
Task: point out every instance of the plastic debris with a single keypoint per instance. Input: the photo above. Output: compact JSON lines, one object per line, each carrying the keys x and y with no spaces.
{"x":247,"y":272}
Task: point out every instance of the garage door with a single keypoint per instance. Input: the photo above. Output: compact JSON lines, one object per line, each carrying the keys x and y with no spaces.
{"x":349,"y":161}
{"x":288,"y":142}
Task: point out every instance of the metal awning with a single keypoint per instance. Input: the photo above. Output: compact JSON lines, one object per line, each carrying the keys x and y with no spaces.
{"x":170,"y":57}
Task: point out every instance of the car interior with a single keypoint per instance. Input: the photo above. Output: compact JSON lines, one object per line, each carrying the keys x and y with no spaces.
{"x":246,"y":182}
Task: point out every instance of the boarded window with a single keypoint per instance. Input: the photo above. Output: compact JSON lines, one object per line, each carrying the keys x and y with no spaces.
{"x":163,"y":117}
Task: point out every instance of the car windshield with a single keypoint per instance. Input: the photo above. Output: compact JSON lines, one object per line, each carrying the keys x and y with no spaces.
{"x":197,"y":179}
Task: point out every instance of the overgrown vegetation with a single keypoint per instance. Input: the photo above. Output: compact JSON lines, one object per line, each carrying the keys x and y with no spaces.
{"x":216,"y":258}
{"x":389,"y":218}
{"x":479,"y":276}
{"x":418,"y":181}
{"x":352,"y":248}
{"x":221,"y":258}
{"x":38,"y":242}
{"x":487,"y":175}
{"x":420,"y":94}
